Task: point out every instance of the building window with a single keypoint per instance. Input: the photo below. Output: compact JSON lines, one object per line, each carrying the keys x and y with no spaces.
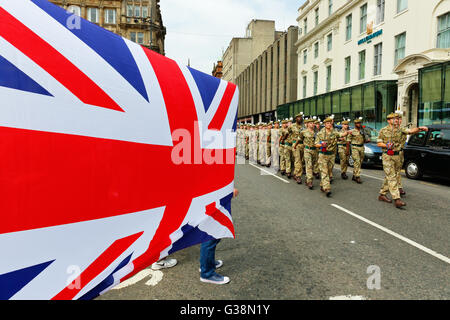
{"x":402,"y":5}
{"x":74,"y":10}
{"x":330,"y":42}
{"x":92,"y":15}
{"x":304,"y":86}
{"x":144,"y":12}
{"x":316,"y":50}
{"x":317,"y":16}
{"x":110,"y":16}
{"x":328,"y":78}
{"x":348,"y":28}
{"x":330,"y":7}
{"x":443,"y":37}
{"x":137,"y":11}
{"x":348,"y":65}
{"x":133,"y":36}
{"x":305,"y":25}
{"x":362,"y":65}
{"x":380,"y":11}
{"x":363,"y":19}
{"x":316,"y":80}
{"x":378,"y":59}
{"x":400,"y":44}
{"x":305,"y":56}
{"x":140,"y":37}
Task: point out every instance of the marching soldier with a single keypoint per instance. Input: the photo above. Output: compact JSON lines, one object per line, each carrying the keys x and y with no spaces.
{"x":268,"y":143}
{"x":298,"y":148}
{"x":288,"y":149}
{"x":247,"y":142}
{"x":275,"y":147}
{"x":316,"y":169}
{"x":390,"y":140}
{"x":403,"y":138}
{"x":358,"y":138}
{"x":326,"y":141}
{"x":283,"y":135}
{"x":344,"y":150}
{"x":308,"y":137}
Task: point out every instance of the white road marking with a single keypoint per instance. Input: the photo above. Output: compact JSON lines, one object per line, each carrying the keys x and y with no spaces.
{"x":398,"y":236}
{"x":156,"y":277}
{"x":269,"y":173}
{"x":363,"y":174}
{"x":348,"y":297}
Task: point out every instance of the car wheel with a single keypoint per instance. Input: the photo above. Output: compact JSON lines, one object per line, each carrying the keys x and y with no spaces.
{"x":351,"y":162}
{"x":413,"y":170}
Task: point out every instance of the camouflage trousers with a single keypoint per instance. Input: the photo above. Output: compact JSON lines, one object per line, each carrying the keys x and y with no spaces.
{"x":288,"y":158}
{"x":358,"y":158}
{"x":309,"y":164}
{"x":316,"y":168}
{"x":298,"y":160}
{"x":247,"y":149}
{"x":268,"y":154}
{"x":326,"y":164}
{"x":275,"y":157}
{"x":282,"y":156}
{"x":391,"y":167}
{"x":343,"y":157}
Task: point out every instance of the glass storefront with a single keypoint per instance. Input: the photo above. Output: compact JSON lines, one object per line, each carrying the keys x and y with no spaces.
{"x":373,"y":101}
{"x":434,"y":95}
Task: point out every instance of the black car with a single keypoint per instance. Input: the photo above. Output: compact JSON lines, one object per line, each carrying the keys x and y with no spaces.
{"x":428,"y":153}
{"x":372,"y":153}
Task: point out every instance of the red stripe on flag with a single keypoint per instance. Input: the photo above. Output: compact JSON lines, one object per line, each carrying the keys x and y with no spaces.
{"x":222,"y":111}
{"x":48,"y":58}
{"x":220,"y":217}
{"x":98,"y":266}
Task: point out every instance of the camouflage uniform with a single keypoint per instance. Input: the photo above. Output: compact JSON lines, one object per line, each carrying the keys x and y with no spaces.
{"x":326,"y":158}
{"x":247,"y":142}
{"x":343,"y":155}
{"x":298,"y":152}
{"x":357,"y":139}
{"x":316,"y":169}
{"x":308,"y":139}
{"x":268,"y":149}
{"x":283,"y":133}
{"x":288,"y":150}
{"x":275,"y":148}
{"x":391,"y":163}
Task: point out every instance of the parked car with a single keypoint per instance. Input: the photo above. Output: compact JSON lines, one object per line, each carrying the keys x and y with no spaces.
{"x":372,"y":153}
{"x":428,"y":153}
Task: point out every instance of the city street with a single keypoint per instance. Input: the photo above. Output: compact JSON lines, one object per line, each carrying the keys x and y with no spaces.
{"x":294,"y":243}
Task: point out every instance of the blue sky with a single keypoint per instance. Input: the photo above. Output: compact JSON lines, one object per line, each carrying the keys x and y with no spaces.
{"x":200,"y":30}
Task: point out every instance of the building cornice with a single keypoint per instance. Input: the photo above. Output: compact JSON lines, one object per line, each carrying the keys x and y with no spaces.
{"x":333,"y":19}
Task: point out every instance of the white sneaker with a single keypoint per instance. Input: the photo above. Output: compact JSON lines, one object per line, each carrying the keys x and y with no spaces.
{"x":219,"y":263}
{"x":164,"y":264}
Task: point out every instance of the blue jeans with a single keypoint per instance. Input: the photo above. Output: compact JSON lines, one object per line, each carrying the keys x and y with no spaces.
{"x":208,"y":258}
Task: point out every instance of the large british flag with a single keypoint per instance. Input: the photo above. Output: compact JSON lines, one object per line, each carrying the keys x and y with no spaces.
{"x":89,"y":122}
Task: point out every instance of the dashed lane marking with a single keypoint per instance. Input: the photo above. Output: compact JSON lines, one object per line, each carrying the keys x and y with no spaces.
{"x":269,"y":173}
{"x":398,"y":236}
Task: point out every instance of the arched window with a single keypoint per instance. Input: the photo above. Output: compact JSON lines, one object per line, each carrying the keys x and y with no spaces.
{"x":75,"y":10}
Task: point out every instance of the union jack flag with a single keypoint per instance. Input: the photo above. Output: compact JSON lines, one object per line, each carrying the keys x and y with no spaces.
{"x":87,"y":120}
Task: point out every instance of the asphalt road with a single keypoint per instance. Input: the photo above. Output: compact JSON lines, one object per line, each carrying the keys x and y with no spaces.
{"x":294,"y":243}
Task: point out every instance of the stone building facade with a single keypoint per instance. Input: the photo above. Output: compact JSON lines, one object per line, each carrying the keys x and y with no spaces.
{"x":270,"y":79}
{"x":138,"y":20}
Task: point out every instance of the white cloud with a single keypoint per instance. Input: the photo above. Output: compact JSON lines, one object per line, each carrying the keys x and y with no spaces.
{"x":200,"y":30}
